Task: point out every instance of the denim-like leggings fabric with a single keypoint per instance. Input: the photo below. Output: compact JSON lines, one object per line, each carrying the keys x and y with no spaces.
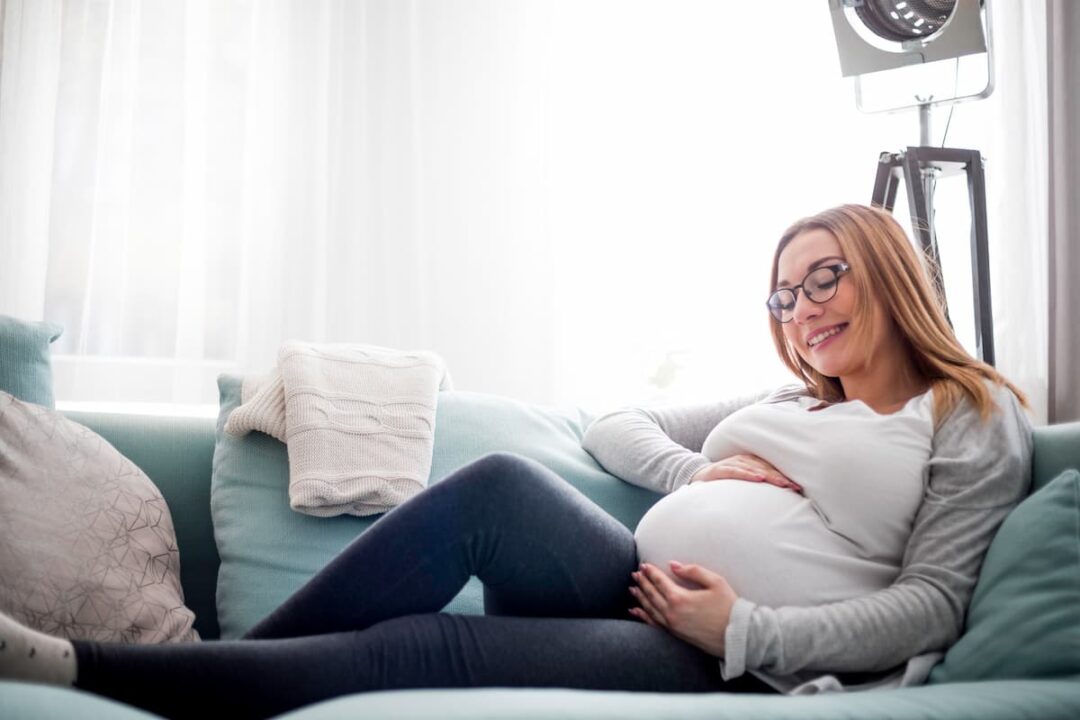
{"x":555,"y":569}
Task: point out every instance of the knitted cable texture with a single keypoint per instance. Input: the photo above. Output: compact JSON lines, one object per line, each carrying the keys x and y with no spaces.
{"x":358,"y":421}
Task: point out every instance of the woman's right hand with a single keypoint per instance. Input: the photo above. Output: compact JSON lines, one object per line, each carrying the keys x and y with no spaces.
{"x":745,"y":467}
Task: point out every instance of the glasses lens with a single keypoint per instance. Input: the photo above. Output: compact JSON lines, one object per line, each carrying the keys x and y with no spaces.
{"x":782,"y":305}
{"x":820,"y":285}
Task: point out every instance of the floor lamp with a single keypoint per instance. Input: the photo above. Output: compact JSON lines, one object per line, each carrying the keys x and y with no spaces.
{"x":881,"y":35}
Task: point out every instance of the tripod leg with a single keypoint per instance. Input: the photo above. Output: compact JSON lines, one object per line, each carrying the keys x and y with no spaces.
{"x":980,"y":261}
{"x":886,"y":182}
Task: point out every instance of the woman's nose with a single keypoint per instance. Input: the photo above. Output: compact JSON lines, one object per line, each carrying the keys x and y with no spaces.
{"x":805,"y":308}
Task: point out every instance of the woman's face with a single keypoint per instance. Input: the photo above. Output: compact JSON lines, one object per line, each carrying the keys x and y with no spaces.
{"x":819,"y":332}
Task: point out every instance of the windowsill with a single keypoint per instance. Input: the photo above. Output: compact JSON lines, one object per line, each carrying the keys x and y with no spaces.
{"x":140,"y":408}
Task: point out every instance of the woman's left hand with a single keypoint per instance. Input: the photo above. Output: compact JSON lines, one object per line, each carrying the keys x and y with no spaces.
{"x":697,"y":615}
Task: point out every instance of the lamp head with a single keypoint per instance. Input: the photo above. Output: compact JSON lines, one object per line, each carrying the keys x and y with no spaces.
{"x":876,"y":35}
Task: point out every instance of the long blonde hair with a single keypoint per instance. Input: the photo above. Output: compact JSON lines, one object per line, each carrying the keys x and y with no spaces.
{"x":886,"y":268}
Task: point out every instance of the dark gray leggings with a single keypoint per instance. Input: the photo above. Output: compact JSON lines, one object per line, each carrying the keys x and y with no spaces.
{"x":555,"y":569}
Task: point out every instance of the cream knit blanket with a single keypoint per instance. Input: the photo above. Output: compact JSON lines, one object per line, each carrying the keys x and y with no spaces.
{"x":358,"y":420}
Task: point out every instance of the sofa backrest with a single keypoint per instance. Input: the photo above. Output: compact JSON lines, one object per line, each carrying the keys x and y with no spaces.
{"x":1057,"y":448}
{"x":177,"y":454}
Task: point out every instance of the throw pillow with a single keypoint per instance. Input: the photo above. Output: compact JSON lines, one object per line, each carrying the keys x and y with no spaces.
{"x":25,"y":366}
{"x":1024,"y":619}
{"x":87,"y":548}
{"x":268,"y":551}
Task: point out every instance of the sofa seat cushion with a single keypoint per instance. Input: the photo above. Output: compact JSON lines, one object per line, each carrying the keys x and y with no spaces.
{"x":1024,"y":618}
{"x":268,"y":551}
{"x":30,"y":701}
{"x":1002,"y":700}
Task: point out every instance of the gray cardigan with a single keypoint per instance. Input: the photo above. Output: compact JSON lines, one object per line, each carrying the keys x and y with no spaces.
{"x":978,"y":472}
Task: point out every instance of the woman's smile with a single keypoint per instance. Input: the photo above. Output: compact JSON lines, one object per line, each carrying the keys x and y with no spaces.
{"x":818,"y":339}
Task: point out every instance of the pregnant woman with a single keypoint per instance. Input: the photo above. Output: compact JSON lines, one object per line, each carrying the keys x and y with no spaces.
{"x":829,"y":534}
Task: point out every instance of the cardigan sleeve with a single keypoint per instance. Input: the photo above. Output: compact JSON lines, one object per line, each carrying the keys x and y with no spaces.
{"x":658,"y":448}
{"x":978,"y":471}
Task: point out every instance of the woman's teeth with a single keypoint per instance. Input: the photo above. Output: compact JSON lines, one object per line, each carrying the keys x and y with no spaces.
{"x":818,"y":339}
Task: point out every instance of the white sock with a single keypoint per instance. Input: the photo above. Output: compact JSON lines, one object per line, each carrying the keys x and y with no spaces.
{"x":27,"y":654}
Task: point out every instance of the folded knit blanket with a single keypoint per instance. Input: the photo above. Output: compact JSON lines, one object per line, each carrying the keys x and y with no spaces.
{"x":358,"y":420}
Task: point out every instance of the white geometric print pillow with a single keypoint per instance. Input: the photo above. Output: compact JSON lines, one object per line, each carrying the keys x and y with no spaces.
{"x":87,"y":547}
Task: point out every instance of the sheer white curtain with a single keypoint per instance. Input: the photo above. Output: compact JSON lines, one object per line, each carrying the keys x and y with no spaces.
{"x":573,"y":202}
{"x":1010,"y":129}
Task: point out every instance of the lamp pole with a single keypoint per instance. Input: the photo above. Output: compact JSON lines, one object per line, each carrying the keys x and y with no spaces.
{"x":925,"y":105}
{"x":928,"y":177}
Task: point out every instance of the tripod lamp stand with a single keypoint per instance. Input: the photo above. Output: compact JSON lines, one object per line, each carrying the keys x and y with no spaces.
{"x":880,"y":35}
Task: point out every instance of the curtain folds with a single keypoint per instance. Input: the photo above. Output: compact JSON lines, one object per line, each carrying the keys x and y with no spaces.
{"x":1063,"y":63}
{"x":571,"y":201}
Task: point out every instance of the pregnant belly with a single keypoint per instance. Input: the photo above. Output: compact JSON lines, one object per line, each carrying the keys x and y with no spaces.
{"x":770,"y":544}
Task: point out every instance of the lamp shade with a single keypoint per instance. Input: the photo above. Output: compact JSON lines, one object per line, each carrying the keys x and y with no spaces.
{"x":903,"y":20}
{"x":876,"y":35}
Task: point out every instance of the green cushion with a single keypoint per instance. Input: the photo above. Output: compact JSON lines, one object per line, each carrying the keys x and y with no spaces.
{"x":1002,"y":700}
{"x":268,"y":550}
{"x":470,"y":425}
{"x":30,"y":701}
{"x":25,"y":365}
{"x":1024,"y":619}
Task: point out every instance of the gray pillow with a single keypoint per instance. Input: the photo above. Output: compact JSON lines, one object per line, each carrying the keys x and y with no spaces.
{"x":87,"y":547}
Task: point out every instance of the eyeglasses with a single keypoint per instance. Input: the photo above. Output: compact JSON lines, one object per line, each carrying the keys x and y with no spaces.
{"x":819,"y":286}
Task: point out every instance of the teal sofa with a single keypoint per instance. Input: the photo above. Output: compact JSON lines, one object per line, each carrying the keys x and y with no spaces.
{"x":178,"y":454}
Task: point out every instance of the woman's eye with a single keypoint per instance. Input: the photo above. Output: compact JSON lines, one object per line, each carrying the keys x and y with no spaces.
{"x":779,"y":303}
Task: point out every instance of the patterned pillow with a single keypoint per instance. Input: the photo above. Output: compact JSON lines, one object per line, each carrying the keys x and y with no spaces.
{"x":87,"y":548}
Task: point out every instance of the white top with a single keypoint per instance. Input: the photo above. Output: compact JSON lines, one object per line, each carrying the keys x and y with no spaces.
{"x":863,"y":477}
